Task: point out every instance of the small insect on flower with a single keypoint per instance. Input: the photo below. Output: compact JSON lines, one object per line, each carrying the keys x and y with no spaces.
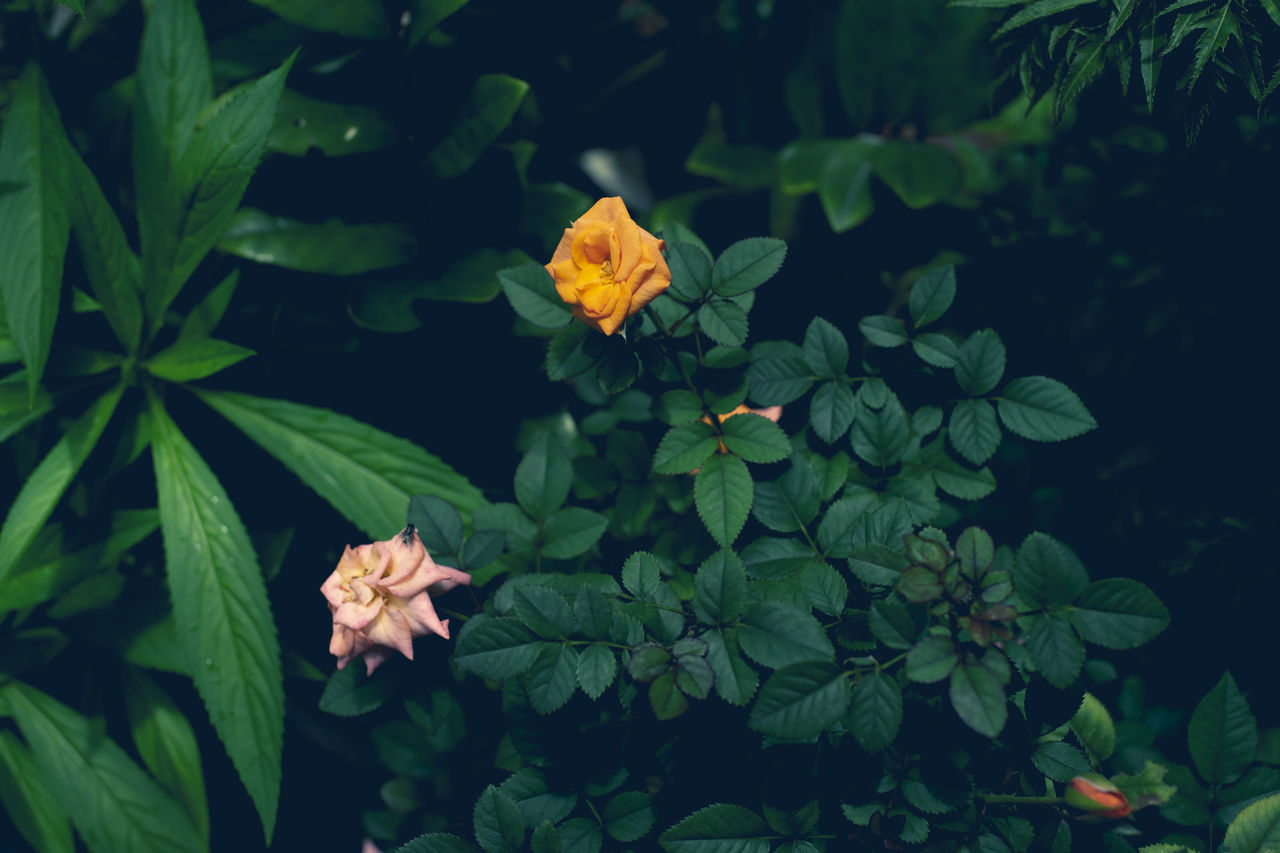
{"x":406,"y":535}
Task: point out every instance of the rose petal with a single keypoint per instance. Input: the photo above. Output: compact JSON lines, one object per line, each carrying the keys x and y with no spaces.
{"x":357,"y":616}
{"x":422,"y":616}
{"x":391,"y":628}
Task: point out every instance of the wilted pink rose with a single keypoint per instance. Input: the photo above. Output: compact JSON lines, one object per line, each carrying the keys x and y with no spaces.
{"x":380,"y":597}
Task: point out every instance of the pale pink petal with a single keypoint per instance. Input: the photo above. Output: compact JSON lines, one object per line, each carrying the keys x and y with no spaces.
{"x":369,"y":846}
{"x":374,"y":658}
{"x":356,"y":615}
{"x":333,"y":591}
{"x":455,"y":579}
{"x":422,"y":616}
{"x":773,"y":413}
{"x":384,"y":562}
{"x":391,"y":628}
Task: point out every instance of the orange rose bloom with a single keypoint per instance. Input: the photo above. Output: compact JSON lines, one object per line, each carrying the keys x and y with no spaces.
{"x":607,"y":267}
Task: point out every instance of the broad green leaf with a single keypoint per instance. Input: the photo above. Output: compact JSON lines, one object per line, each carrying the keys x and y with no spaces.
{"x":960,"y":482}
{"x":790,"y":502}
{"x":303,"y":123}
{"x":493,"y":103}
{"x":1043,"y":409}
{"x":427,"y":14}
{"x":167,"y":744}
{"x":543,"y":476}
{"x":736,"y":681}
{"x":565,"y":355}
{"x":919,"y":173}
{"x":210,"y":179}
{"x":387,"y":306}
{"x":746,"y":265}
{"x":718,"y":827}
{"x":835,"y":533}
{"x":684,"y":448}
{"x":1055,"y":649}
{"x":350,"y":692}
{"x":1256,"y":829}
{"x":436,"y":842}
{"x":332,"y":247}
{"x":34,"y":221}
{"x":980,"y":362}
{"x":883,"y":331}
{"x":225,"y":627}
{"x":1118,"y":613}
{"x":28,"y":801}
{"x":50,"y":479}
{"x":722,"y":493}
{"x":974,"y":431}
{"x":364,"y":473}
{"x":826,"y":351}
{"x":1060,"y":761}
{"x":174,"y":85}
{"x":690,"y":271}
{"x":775,"y":635}
{"x":189,"y":359}
{"x":978,"y":698}
{"x":932,"y":294}
{"x":1034,"y":11}
{"x":359,"y":18}
{"x":831,"y":411}
{"x":115,"y":806}
{"x":1222,"y":734}
{"x":438,"y":522}
{"x":875,"y":711}
{"x":932,"y":659}
{"x":801,"y":701}
{"x":880,"y":436}
{"x":755,"y":438}
{"x":1094,"y":727}
{"x":597,"y":667}
{"x":628,"y":816}
{"x":678,"y":407}
{"x":499,"y":825}
{"x":724,"y":322}
{"x":720,"y":587}
{"x":571,"y":531}
{"x":641,"y":575}
{"x":204,"y":318}
{"x":826,"y":589}
{"x":844,"y":184}
{"x":778,"y":374}
{"x":1045,"y":574}
{"x":532,"y":294}
{"x":976,"y":551}
{"x":537,"y":803}
{"x":935,"y":349}
{"x":545,"y":611}
{"x":495,"y":648}
{"x":665,"y":697}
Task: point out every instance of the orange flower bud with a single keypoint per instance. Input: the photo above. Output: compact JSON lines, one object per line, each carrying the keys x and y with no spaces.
{"x":1096,"y":794}
{"x":607,"y":267}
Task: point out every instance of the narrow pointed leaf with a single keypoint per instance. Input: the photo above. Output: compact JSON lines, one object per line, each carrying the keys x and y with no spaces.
{"x":225,"y":627}
{"x":195,"y":358}
{"x":1222,"y":733}
{"x":331,"y":247}
{"x":875,"y":712}
{"x":31,"y":806}
{"x":494,"y":101}
{"x":932,"y":294}
{"x":358,"y":18}
{"x":722,"y":493}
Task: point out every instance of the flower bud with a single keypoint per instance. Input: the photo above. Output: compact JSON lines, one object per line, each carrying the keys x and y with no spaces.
{"x":1096,"y":794}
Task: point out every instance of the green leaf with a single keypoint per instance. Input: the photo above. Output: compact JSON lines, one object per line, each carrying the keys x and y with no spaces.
{"x":1045,"y":574}
{"x":980,"y":362}
{"x":529,"y":789}
{"x":571,"y":531}
{"x":50,"y":479}
{"x":1055,"y":649}
{"x":831,"y":411}
{"x":552,"y":677}
{"x":975,"y":551}
{"x":826,"y":589}
{"x":364,"y":473}
{"x":495,"y":648}
{"x":974,"y":431}
{"x":349,"y":692}
{"x":755,"y":438}
{"x":790,"y":502}
{"x":678,"y":407}
{"x":597,"y":667}
{"x":499,"y":824}
{"x":690,"y":271}
{"x":493,"y":103}
{"x":628,"y":816}
{"x":545,"y":611}
{"x":826,"y":351}
{"x":225,"y":627}
{"x":1118,"y":613}
{"x":932,"y":294}
{"x":332,"y":247}
{"x":932,"y":659}
{"x":532,"y":294}
{"x":435,"y":842}
{"x":746,"y":265}
{"x":303,"y":123}
{"x":641,"y":576}
{"x":724,"y":322}
{"x":204,"y":318}
{"x":1043,"y":409}
{"x":167,"y":744}
{"x":876,"y":711}
{"x":800,"y":702}
{"x":593,"y":613}
{"x":359,"y":18}
{"x":1035,"y":11}
{"x":960,"y":482}
{"x":716,"y":828}
{"x":979,"y":699}
{"x":1222,"y":734}
{"x":1059,"y":761}
{"x":543,"y":476}
{"x":935,"y":349}
{"x":665,"y":697}
{"x":880,"y":435}
{"x":438,"y":523}
{"x":34,"y":221}
{"x":115,"y":805}
{"x":920,"y":173}
{"x":684,"y":448}
{"x":427,"y":14}
{"x":1094,"y":727}
{"x":1256,"y":829}
{"x":778,"y":374}
{"x":189,"y":359}
{"x":883,"y":331}
{"x":844,"y":184}
{"x":30,"y":805}
{"x":775,"y":635}
{"x":736,"y":681}
{"x":720,"y":588}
